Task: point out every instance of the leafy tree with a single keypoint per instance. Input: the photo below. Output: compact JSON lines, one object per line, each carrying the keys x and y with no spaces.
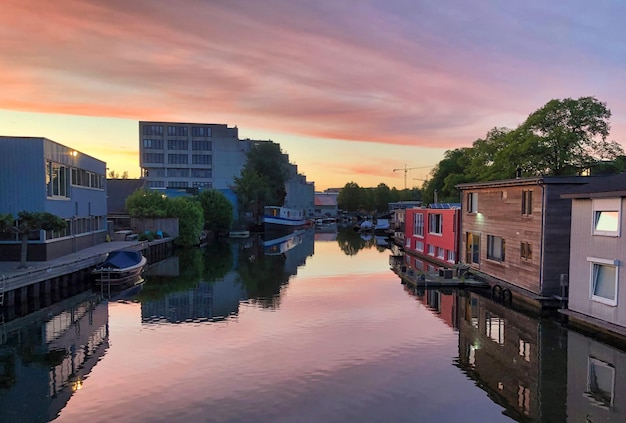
{"x":349,"y":198}
{"x":252,"y":192}
{"x":448,"y":172}
{"x":190,"y":219}
{"x":34,"y":221}
{"x":263,"y":178}
{"x":6,"y":222}
{"x":565,"y":137}
{"x":146,"y":203}
{"x":217,"y":210}
{"x":382,"y":197}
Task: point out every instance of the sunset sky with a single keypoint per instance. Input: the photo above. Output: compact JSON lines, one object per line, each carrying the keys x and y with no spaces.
{"x":351,"y":89}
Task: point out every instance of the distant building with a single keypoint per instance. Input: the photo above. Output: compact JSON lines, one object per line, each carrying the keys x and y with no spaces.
{"x":175,"y":155}
{"x":326,"y":204}
{"x":598,"y":252}
{"x":40,"y":175}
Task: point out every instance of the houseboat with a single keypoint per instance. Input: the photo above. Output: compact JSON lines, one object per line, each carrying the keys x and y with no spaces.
{"x":277,"y":219}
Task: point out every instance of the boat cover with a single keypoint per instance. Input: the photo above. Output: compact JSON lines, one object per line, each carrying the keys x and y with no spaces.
{"x":121,"y":259}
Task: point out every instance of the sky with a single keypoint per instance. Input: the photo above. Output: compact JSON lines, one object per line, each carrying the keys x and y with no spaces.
{"x":350,"y":89}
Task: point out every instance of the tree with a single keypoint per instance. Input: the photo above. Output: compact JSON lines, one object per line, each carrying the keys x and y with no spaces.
{"x":262,"y":179}
{"x":448,"y":172}
{"x":34,"y":221}
{"x":349,"y":198}
{"x":565,"y":137}
{"x":146,"y":203}
{"x":114,"y":175}
{"x":6,"y":222}
{"x":190,"y":219}
{"x":217,"y":210}
{"x":382,"y":197}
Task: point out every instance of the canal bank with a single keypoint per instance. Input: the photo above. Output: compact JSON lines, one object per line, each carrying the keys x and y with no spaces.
{"x":54,"y":277}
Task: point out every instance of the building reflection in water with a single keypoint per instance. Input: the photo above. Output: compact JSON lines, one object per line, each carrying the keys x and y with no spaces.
{"x":533,"y":367}
{"x":196,"y":287}
{"x":46,"y":356}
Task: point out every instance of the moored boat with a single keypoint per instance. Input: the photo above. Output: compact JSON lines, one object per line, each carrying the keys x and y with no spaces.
{"x":119,"y":267}
{"x":282,"y":218}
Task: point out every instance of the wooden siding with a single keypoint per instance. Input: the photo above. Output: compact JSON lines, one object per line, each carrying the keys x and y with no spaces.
{"x":500,"y":214}
{"x":584,"y":244}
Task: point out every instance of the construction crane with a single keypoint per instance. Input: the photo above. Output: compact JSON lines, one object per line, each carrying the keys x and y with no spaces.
{"x":406,"y":169}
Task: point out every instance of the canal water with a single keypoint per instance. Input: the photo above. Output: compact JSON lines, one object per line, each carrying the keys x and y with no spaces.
{"x":315,"y":328}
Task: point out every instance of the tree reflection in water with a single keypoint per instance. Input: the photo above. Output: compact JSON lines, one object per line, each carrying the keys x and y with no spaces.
{"x":262,"y":275}
{"x":351,"y":241}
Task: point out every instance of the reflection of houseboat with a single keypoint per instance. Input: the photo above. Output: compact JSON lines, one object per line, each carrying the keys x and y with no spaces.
{"x":120,"y":267}
{"x":282,"y":218}
{"x":285,"y":243}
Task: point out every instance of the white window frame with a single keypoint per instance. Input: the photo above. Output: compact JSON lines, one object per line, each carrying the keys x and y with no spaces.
{"x":491,"y":247}
{"x":441,"y":253}
{"x":435,"y":223}
{"x":472,"y":202}
{"x":419,"y":246}
{"x":418,"y":225}
{"x":606,"y":205}
{"x":431,"y":250}
{"x":593,"y":262}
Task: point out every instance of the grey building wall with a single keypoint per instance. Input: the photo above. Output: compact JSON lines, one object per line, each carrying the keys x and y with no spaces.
{"x":300,"y":193}
{"x":584,"y":245}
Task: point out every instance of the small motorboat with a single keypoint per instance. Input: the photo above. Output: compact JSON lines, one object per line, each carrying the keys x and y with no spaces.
{"x":120,"y":267}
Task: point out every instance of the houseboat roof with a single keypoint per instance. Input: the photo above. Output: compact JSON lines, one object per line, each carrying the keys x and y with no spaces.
{"x":536,"y":180}
{"x":599,"y":187}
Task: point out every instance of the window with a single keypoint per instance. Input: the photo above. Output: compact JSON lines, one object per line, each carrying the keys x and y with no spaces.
{"x":495,"y":248}
{"x":472,"y":248}
{"x":440,"y":252}
{"x":526,"y":250}
{"x":604,"y":277}
{"x":418,"y":224}
{"x":524,"y":349}
{"x":177,"y":131}
{"x":435,"y":223}
{"x":202,"y":145}
{"x":200,"y":131}
{"x":177,"y":173}
{"x":606,"y":216}
{"x":431,"y":250}
{"x":419,"y":246}
{"x":152,"y":144}
{"x":177,"y":184}
{"x":201,"y":173}
{"x":600,"y":383}
{"x":177,"y":145}
{"x":451,"y":256}
{"x":156,"y":184}
{"x":527,"y":203}
{"x":472,"y":202}
{"x":153,"y":129}
{"x":57,"y":180}
{"x":202,"y":159}
{"x":177,"y":158}
{"x":494,"y":327}
{"x":206,"y":185}
{"x":153,"y":157}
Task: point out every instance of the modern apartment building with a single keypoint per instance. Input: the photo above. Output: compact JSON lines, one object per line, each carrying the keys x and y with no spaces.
{"x":40,"y":175}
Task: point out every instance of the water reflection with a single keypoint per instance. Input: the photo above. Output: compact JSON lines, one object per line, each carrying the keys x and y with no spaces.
{"x":46,"y":356}
{"x":351,"y":241}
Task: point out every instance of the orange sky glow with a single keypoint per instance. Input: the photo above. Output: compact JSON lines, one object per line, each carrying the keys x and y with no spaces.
{"x":351,"y":90}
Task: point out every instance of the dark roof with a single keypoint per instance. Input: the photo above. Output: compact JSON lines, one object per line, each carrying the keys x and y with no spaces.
{"x":118,"y":191}
{"x":537,"y":180}
{"x":600,"y":186}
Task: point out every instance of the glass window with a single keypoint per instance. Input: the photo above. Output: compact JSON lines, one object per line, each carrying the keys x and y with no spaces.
{"x":495,"y":248}
{"x":527,"y":203}
{"x":201,"y":159}
{"x":526,"y":250}
{"x":607,"y":216}
{"x":604,"y":281}
{"x":473,"y":248}
{"x":418,"y":224}
{"x":435,"y":223}
{"x":472,"y":202}
{"x":431,"y":250}
{"x":177,"y":158}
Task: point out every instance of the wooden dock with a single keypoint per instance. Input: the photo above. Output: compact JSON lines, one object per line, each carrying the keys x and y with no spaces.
{"x":441,"y":279}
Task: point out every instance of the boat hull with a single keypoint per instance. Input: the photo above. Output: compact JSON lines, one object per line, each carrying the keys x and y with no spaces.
{"x":114,"y":272}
